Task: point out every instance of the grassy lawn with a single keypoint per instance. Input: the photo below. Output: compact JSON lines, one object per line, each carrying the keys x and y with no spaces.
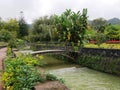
{"x":104,"y":45}
{"x":3,"y":43}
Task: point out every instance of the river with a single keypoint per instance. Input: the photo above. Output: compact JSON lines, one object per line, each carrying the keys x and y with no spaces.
{"x":81,"y":78}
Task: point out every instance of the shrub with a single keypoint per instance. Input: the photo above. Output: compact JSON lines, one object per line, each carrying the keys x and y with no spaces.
{"x":18,"y":74}
{"x":21,"y":74}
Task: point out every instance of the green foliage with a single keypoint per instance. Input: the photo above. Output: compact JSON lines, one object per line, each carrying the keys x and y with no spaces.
{"x":51,"y":77}
{"x":72,"y":26}
{"x":43,"y":30}
{"x":5,"y":35}
{"x":90,"y":34}
{"x":100,"y":38}
{"x":12,"y":26}
{"x":21,"y":74}
{"x":16,"y":43}
{"x":12,"y":43}
{"x":1,"y":24}
{"x":8,"y":29}
{"x":113,"y":32}
{"x":99,"y":24}
{"x":23,"y":28}
{"x":103,"y":45}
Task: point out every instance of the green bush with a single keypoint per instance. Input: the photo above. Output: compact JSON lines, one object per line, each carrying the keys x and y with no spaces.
{"x":21,"y":74}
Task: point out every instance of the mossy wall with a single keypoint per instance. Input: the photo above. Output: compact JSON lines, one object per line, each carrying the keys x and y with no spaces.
{"x":99,"y":51}
{"x":100,"y":59}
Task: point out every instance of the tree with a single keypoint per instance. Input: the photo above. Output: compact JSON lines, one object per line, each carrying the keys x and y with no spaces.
{"x":12,"y":26}
{"x":8,"y":29}
{"x":1,"y":23}
{"x":5,"y":35}
{"x":23,"y":27}
{"x":72,"y":26}
{"x":99,"y":24}
{"x":43,"y":29}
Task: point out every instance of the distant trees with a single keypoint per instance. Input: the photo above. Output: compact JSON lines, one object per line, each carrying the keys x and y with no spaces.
{"x":68,"y":27}
{"x":13,"y":29}
{"x":104,"y":30}
{"x":43,"y":29}
{"x":23,"y":27}
{"x":99,"y":24}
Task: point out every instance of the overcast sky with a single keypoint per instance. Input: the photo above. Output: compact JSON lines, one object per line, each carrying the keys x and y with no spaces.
{"x":35,"y":8}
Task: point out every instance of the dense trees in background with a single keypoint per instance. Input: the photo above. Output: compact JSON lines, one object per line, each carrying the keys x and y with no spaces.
{"x":68,"y":27}
{"x":23,"y":28}
{"x":43,"y":30}
{"x":99,"y":24}
{"x":12,"y":29}
{"x":104,"y":30}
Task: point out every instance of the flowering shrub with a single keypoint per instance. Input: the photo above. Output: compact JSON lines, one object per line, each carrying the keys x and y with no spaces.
{"x":104,"y":45}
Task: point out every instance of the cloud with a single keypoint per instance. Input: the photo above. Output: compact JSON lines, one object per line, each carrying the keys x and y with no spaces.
{"x":35,"y":8}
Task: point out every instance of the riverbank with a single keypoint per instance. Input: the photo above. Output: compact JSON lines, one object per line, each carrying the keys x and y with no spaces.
{"x":101,"y":63}
{"x":81,"y":78}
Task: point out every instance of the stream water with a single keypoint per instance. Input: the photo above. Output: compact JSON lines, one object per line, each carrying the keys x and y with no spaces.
{"x":81,"y":78}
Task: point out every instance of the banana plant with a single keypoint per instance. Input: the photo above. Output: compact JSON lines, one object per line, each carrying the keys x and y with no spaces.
{"x":71,"y":26}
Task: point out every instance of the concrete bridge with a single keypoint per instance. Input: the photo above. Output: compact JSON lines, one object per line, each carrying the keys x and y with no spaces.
{"x":60,"y":52}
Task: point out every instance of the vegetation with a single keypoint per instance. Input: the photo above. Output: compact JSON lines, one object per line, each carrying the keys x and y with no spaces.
{"x":43,"y":30}
{"x":112,"y":32}
{"x":72,"y":26}
{"x":69,"y":27}
{"x":102,"y":28}
{"x":21,"y":73}
{"x":8,"y":30}
{"x":23,"y":28}
{"x":103,"y":45}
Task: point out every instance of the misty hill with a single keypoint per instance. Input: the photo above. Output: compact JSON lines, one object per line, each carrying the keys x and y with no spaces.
{"x":114,"y":21}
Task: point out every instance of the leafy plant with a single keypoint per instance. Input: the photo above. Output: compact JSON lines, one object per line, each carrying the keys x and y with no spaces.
{"x":21,"y":74}
{"x":72,"y":26}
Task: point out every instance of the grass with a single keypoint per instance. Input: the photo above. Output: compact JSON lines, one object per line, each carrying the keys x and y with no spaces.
{"x":3,"y":44}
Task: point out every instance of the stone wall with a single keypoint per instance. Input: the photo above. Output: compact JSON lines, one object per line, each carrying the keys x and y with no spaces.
{"x":102,"y":52}
{"x":106,"y":60}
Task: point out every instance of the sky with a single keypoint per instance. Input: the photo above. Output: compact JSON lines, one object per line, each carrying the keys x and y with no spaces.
{"x":33,"y":9}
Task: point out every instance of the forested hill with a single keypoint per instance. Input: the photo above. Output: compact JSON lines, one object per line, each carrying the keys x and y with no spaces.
{"x":110,"y":21}
{"x":114,"y":21}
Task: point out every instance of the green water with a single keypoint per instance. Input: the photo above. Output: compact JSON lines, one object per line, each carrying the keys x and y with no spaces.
{"x":81,"y":78}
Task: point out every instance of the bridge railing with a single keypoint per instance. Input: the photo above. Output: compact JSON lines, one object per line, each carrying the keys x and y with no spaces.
{"x":52,"y":46}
